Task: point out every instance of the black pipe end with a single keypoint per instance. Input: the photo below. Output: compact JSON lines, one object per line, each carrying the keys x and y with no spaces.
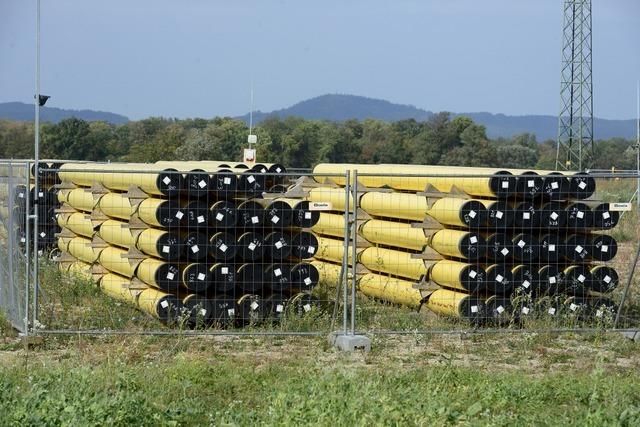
{"x":579,"y":216}
{"x":303,"y":217}
{"x":473,"y":278}
{"x":499,"y":215}
{"x":223,"y":215}
{"x":525,"y":247}
{"x":197,"y":278}
{"x":604,"y":218}
{"x":169,"y":246}
{"x":224,"y":183}
{"x":499,"y":279}
{"x":529,"y":184}
{"x":223,"y":277}
{"x":170,"y":182}
{"x":552,"y":216}
{"x":195,"y":246}
{"x":304,"y":277}
{"x":222,"y":246}
{"x":304,"y":245}
{"x":603,"y":247}
{"x":251,"y":246}
{"x":498,"y":247}
{"x":250,"y":278}
{"x":279,"y":214}
{"x":503,"y":184}
{"x":167,"y":277}
{"x":605,"y":279}
{"x":278,"y":277}
{"x":473,"y":214}
{"x":581,"y":185}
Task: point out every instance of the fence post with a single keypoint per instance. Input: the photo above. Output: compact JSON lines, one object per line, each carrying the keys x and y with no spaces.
{"x":28,"y":254}
{"x":354,"y":253}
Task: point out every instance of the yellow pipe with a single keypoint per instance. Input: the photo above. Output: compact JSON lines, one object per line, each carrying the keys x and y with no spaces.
{"x":393,"y":262}
{"x":335,"y":196}
{"x":81,"y":269}
{"x":329,"y":273}
{"x":63,"y":243}
{"x":157,"y":303}
{"x":458,"y":275}
{"x":330,"y":249}
{"x":118,"y":287}
{"x":116,"y":233}
{"x":80,"y":224}
{"x":454,"y":304}
{"x":397,"y":234}
{"x":395,"y":205}
{"x":390,"y":289}
{"x":81,"y":199}
{"x":116,"y":206}
{"x":113,"y":259}
{"x":81,"y":248}
{"x":329,"y":224}
{"x":160,"y":244}
{"x":458,"y":244}
{"x":458,"y":212}
{"x":158,"y":274}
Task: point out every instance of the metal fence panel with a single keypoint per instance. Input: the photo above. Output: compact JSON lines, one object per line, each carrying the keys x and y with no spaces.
{"x":14,"y":190}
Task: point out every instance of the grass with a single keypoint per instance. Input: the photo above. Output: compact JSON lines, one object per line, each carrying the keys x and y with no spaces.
{"x":539,"y":380}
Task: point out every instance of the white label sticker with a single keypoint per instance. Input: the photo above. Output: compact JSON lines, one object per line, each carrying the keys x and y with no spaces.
{"x":170,"y":276}
{"x":277,"y":272}
{"x":22,"y":240}
{"x":21,"y":195}
{"x":307,"y":215}
{"x":201,"y":276}
{"x":252,"y":246}
{"x":552,"y":248}
{"x":504,"y":251}
{"x":472,"y":214}
{"x":581,"y":278}
{"x":604,"y":248}
{"x":251,"y":179}
{"x":40,"y":194}
{"x":525,"y":310}
{"x":606,"y":215}
{"x":607,"y":279}
{"x":278,"y":170}
{"x":573,"y":307}
{"x":203,"y":312}
{"x":307,"y":308}
{"x":307,"y":281}
{"x":195,"y":249}
{"x":578,"y":249}
{"x":254,"y":305}
{"x":219,"y":217}
{"x":554,"y":216}
{"x":499,"y":214}
{"x":275,"y":219}
{"x":521,"y":244}
{"x":554,"y":185}
{"x":164,"y":304}
{"x":278,"y":244}
{"x":530,"y":183}
{"x":473,"y":274}
{"x":580,"y":215}
{"x":311,"y":250}
{"x":202,"y":184}
{"x":279,"y":308}
{"x":552,"y":311}
{"x":166,"y":180}
{"x":231,"y":312}
{"x":474,"y":308}
{"x":254,"y":220}
{"x":552,"y":280}
{"x":227,"y":181}
{"x":505,"y":184}
{"x":582,"y":185}
{"x":526,"y":284}
{"x":599,"y":313}
{"x":473,"y":239}
{"x":166,"y":249}
{"x":526,"y":215}
{"x":223,"y":247}
{"x":200,"y":219}
{"x":500,"y":309}
{"x":499,"y":278}
{"x":225,"y":270}
{"x":42,"y":234}
{"x":179,"y":214}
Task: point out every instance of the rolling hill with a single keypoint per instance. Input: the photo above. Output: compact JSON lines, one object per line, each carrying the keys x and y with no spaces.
{"x":20,"y":111}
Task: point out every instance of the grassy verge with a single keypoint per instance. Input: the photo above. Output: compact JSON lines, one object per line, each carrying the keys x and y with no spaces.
{"x":537,"y":380}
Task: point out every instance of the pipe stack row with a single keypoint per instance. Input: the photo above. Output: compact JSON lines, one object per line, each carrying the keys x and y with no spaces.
{"x":473,"y":243}
{"x":215,"y":243}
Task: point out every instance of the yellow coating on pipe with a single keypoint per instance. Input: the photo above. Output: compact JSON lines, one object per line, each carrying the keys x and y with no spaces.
{"x":446,"y":302}
{"x":447,"y":242}
{"x":116,"y":233}
{"x":62,"y":195}
{"x":148,"y":240}
{"x":63,"y":243}
{"x":394,"y":262}
{"x":149,"y":299}
{"x":81,"y":199}
{"x":448,"y":273}
{"x":390,"y":289}
{"x":329,"y":272}
{"x":118,"y":287}
{"x":329,"y":224}
{"x":116,"y":206}
{"x":147,"y":269}
{"x":113,"y":259}
{"x":147,"y":210}
{"x":80,"y":224}
{"x":81,"y":269}
{"x":447,"y":211}
{"x":395,"y":205}
{"x":335,"y":196}
{"x":81,"y":248}
{"x":61,"y":219}
{"x":331,"y":249}
{"x":397,"y":234}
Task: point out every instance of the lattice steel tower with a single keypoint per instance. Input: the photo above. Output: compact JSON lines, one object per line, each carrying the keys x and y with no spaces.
{"x":575,"y":149}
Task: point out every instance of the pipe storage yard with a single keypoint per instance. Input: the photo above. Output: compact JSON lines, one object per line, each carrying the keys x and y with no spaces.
{"x":227,"y":244}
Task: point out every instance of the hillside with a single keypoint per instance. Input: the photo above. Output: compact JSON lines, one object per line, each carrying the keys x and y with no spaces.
{"x":20,"y":111}
{"x":338,"y":107}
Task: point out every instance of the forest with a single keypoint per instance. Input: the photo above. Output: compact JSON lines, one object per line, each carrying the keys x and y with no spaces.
{"x":297,"y":143}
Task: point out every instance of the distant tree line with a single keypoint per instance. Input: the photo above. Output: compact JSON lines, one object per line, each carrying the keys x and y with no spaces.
{"x":297,"y":142}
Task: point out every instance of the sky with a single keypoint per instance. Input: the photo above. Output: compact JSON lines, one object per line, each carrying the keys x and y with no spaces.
{"x":199,"y":58}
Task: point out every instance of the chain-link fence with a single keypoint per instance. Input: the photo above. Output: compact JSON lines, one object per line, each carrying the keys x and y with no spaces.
{"x":15,"y":200}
